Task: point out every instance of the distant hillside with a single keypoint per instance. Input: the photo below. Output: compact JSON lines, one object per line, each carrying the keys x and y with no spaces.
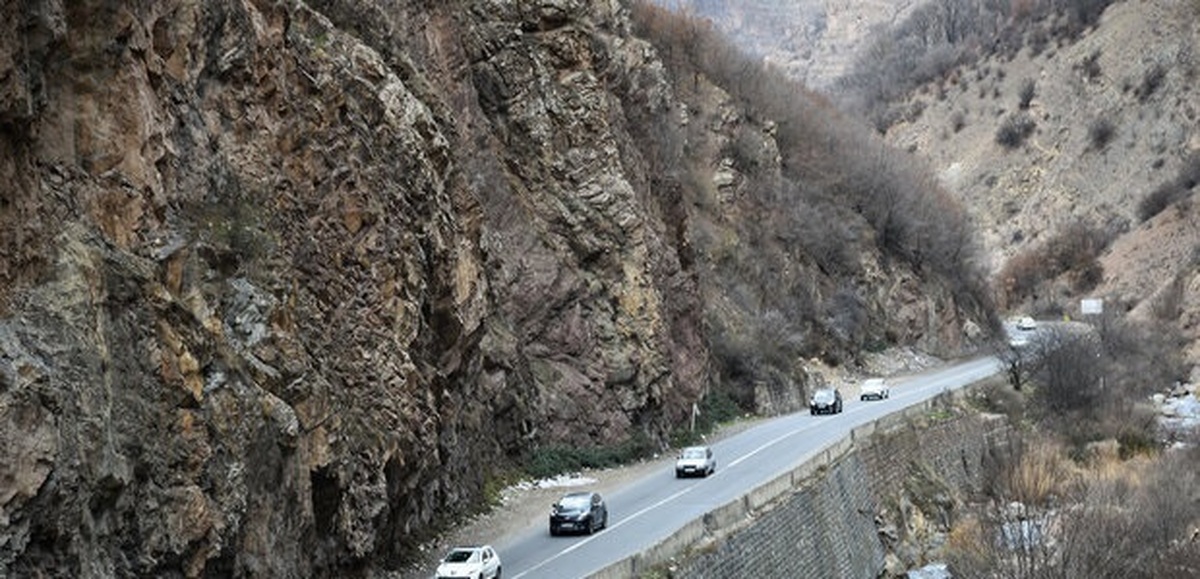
{"x":812,"y":41}
{"x":1068,"y":127}
{"x":1093,"y":139}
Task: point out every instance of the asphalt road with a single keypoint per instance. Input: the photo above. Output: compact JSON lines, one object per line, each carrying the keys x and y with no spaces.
{"x":648,"y":510}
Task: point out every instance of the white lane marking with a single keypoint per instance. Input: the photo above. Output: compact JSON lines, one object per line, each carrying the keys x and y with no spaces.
{"x":614,"y":526}
{"x":805,"y":426}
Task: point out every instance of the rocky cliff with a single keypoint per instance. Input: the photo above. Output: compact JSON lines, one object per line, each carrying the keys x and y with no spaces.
{"x":285,"y":285}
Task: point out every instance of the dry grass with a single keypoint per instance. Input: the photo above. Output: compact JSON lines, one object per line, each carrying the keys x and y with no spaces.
{"x":1041,"y":475}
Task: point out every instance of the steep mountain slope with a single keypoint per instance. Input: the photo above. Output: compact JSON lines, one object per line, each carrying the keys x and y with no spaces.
{"x":1111,"y":114}
{"x":288,"y":286}
{"x":1115,"y":117}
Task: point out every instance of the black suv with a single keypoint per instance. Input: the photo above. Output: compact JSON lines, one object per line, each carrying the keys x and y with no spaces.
{"x":825,"y":401}
{"x":581,"y":512}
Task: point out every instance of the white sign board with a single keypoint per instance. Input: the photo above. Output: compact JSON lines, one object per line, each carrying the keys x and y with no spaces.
{"x":1092,"y":306}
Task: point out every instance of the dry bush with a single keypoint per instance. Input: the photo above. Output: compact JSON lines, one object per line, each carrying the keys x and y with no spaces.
{"x":1073,"y":251}
{"x":1090,"y":66}
{"x":1100,"y":133}
{"x":1014,"y":129}
{"x":1092,"y":386}
{"x":1173,"y":191}
{"x":1025,"y":93}
{"x":1152,"y":79}
{"x":970,"y":547}
{"x":958,"y":120}
{"x":1125,"y":519}
{"x":1041,"y":475}
{"x":1130,"y":518}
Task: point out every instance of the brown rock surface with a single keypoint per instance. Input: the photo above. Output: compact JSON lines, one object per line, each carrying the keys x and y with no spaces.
{"x":286,"y":284}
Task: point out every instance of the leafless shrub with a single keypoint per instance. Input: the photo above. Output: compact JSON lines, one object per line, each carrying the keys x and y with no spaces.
{"x":1026,"y":93}
{"x":1073,"y":251}
{"x":1100,"y":133}
{"x":1129,"y":519}
{"x":958,"y":120}
{"x":1039,"y":39}
{"x":1173,"y":191}
{"x":1090,"y":65}
{"x":1069,"y":376}
{"x":1015,"y":129}
{"x":1152,"y":80}
{"x":1040,"y":475}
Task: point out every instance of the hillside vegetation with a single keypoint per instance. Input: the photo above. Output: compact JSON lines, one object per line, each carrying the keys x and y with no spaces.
{"x":816,"y":236}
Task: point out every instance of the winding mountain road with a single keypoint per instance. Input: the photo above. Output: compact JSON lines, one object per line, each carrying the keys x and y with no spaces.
{"x":649,"y":510}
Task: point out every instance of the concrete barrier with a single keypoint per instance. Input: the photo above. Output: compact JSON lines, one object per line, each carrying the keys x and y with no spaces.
{"x":763,"y":494}
{"x":731,"y":514}
{"x":661,"y":552}
{"x":726,"y":516}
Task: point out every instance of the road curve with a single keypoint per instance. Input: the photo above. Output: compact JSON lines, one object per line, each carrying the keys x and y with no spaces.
{"x":649,"y":510}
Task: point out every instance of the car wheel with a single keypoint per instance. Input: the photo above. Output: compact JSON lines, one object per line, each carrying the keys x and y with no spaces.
{"x":498,"y":572}
{"x":863,"y":398}
{"x":553,"y":531}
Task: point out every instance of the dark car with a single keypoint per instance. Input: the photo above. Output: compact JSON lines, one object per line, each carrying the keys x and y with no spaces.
{"x":825,"y":401}
{"x":579,"y":512}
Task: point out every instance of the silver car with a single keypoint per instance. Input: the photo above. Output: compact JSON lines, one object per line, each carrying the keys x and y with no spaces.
{"x":695,"y":461}
{"x":875,"y":389}
{"x":473,"y":562}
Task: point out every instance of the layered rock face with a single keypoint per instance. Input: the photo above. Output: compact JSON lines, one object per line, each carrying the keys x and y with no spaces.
{"x":285,"y":285}
{"x":285,"y":282}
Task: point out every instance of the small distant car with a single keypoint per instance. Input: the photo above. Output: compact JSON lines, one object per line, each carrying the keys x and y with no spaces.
{"x":475,"y":562}
{"x":578,"y":512}
{"x":825,"y":401}
{"x":1026,"y":323}
{"x":875,"y":389}
{"x":695,"y":461}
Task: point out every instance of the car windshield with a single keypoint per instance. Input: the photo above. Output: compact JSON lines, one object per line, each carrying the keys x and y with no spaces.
{"x":460,"y":556}
{"x":823,"y":396}
{"x":693,"y":453}
{"x":574,"y":502}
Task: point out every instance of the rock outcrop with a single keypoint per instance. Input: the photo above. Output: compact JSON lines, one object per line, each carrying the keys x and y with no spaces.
{"x":285,"y":285}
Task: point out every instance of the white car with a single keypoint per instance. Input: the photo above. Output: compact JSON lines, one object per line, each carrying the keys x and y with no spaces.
{"x":695,"y":461}
{"x":875,"y":389}
{"x":1026,"y":323}
{"x":475,"y":562}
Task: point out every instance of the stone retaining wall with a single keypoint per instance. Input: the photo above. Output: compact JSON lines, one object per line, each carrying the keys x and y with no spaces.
{"x":820,"y":519}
